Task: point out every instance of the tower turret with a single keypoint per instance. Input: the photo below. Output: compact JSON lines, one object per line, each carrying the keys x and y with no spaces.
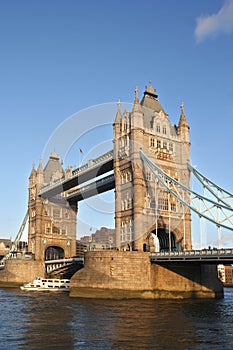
{"x":137,"y":114}
{"x":183,"y":127}
{"x":40,"y":174}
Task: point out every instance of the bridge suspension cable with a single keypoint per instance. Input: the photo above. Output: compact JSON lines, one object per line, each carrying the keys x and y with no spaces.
{"x":218,"y":192}
{"x":16,"y":241}
{"x":215,"y":212}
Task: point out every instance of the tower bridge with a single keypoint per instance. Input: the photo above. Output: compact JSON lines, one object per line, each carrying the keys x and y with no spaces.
{"x":149,"y":168}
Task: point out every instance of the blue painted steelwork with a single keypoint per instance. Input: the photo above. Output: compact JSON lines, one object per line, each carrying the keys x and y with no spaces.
{"x":215,"y":212}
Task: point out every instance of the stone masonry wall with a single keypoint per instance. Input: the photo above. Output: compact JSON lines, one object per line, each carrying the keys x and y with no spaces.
{"x":130,"y":274}
{"x":17,"y":272}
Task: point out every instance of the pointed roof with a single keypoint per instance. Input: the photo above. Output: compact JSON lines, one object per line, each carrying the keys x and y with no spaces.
{"x":33,"y":171}
{"x":40,"y":167}
{"x":150,"y":99}
{"x":136,"y":104}
{"x":53,"y":166}
{"x":118,"y":114}
{"x":183,"y":120}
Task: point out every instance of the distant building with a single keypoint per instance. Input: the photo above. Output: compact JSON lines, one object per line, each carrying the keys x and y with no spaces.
{"x":5,"y":246}
{"x":229,"y":275}
{"x":225,"y":274}
{"x":101,"y":239}
{"x":81,"y":247}
{"x":221,"y":273}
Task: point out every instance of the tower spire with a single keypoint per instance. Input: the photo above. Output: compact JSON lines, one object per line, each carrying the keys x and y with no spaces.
{"x":136,"y":104}
{"x":183,"y":126}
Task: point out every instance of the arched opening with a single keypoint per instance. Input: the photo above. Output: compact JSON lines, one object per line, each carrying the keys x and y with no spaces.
{"x":164,"y":238}
{"x":146,"y":247}
{"x":54,"y":253}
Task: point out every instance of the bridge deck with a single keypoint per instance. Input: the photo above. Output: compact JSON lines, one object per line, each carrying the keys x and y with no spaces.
{"x":210,"y":256}
{"x":89,"y":171}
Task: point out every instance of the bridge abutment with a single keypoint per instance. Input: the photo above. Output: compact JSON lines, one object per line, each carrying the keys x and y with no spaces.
{"x":17,"y":272}
{"x":130,"y":274}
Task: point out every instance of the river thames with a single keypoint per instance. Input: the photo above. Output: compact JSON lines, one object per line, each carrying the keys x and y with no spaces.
{"x":32,"y":320}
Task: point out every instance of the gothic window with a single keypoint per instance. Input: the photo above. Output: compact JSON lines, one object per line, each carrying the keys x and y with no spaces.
{"x":152,"y":142}
{"x":164,"y":129}
{"x":158,"y":128}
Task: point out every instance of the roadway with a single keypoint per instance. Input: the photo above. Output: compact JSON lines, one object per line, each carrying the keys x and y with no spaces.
{"x":209,"y":256}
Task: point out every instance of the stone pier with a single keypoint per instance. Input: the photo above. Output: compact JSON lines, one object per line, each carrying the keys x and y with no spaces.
{"x":17,"y":272}
{"x":130,"y":274}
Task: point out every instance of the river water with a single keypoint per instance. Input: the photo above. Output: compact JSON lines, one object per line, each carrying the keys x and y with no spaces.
{"x":32,"y":320}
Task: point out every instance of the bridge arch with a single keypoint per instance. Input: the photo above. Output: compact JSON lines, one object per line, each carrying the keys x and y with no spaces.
{"x":163,"y":238}
{"x":53,"y":253}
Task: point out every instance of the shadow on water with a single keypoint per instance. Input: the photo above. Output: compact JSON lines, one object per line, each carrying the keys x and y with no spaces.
{"x":56,"y":321}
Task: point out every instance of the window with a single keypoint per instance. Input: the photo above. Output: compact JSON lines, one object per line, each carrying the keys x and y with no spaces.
{"x":158,"y":128}
{"x":56,"y":230}
{"x":171,"y":147}
{"x":164,"y":144}
{"x":152,"y":142}
{"x":163,"y":204}
{"x":173,"y":207}
{"x":56,"y":213}
{"x":164,"y":130}
{"x":148,"y":176}
{"x":158,"y":144}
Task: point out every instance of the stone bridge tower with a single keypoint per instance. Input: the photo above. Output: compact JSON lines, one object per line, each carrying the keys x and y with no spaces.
{"x":146,"y":216}
{"x":52,"y":222}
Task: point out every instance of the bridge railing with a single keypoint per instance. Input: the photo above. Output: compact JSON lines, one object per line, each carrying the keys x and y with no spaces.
{"x":93,"y":163}
{"x":195,"y":252}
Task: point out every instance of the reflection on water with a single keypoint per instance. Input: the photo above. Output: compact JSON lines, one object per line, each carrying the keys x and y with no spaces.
{"x":56,"y":321}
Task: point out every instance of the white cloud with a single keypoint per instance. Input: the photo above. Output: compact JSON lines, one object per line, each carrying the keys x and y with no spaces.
{"x":221,"y":22}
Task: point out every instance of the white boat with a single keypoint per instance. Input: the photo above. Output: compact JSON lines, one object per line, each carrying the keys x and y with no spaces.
{"x":47,"y":284}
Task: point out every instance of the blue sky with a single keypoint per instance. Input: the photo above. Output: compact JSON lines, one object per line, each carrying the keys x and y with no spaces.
{"x":59,"y":57}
